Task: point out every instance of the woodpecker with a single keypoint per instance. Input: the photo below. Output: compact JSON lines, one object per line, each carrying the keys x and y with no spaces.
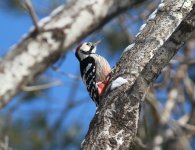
{"x":94,"y":69}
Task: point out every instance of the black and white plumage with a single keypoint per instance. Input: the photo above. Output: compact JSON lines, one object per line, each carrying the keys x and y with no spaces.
{"x":94,"y":69}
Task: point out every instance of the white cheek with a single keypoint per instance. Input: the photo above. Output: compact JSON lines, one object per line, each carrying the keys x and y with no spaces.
{"x":82,"y":56}
{"x":94,"y":50}
{"x":85,"y":47}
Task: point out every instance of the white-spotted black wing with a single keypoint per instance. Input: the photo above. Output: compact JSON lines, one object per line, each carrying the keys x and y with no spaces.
{"x":88,"y":74}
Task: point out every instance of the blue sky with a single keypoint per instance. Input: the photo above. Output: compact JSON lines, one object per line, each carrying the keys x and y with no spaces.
{"x":13,"y":26}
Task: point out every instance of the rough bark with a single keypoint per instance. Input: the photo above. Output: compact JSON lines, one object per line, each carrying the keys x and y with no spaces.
{"x":64,"y":27}
{"x":115,"y":124}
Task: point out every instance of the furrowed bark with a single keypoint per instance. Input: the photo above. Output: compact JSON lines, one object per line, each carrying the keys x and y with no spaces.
{"x":64,"y":27}
{"x":115,"y":124}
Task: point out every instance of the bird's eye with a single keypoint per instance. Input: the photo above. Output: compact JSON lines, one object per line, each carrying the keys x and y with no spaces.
{"x":88,"y":44}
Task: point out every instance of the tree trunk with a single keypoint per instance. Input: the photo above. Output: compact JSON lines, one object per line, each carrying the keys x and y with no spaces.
{"x":115,"y":123}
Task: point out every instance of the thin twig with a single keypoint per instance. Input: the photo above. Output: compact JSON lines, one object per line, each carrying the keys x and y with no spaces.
{"x":41,"y":87}
{"x":140,"y":143}
{"x":69,"y":75}
{"x":28,"y":5}
{"x":124,"y":28}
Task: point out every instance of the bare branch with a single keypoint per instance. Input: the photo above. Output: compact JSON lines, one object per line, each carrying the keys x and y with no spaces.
{"x":69,"y":75}
{"x":4,"y":145}
{"x":60,"y":30}
{"x":41,"y":86}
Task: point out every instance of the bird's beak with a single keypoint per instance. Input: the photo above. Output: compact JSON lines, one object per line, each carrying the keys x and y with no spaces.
{"x":98,"y":42}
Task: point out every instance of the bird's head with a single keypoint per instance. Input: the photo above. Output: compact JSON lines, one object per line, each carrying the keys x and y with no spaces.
{"x":85,"y":49}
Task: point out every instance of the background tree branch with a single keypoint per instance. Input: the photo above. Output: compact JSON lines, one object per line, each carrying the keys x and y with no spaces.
{"x":65,"y":26}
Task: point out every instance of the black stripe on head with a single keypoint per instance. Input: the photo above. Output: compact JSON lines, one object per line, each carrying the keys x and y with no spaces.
{"x":92,"y":47}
